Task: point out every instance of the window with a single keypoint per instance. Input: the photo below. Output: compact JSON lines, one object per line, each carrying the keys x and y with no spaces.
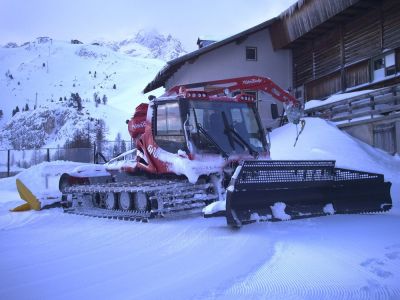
{"x":168,"y":119}
{"x":252,"y":93}
{"x":214,"y":117}
{"x":169,"y":132}
{"x":384,"y":65}
{"x":251,"y":53}
{"x":247,"y":92}
{"x":390,"y":70}
{"x":379,"y":63}
{"x":274,"y":111}
{"x":390,"y":64}
{"x":236,"y":115}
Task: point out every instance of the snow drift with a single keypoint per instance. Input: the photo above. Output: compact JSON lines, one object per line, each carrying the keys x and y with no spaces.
{"x":322,"y":140}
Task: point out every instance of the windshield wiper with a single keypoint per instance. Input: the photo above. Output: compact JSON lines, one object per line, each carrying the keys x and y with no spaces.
{"x":238,"y":138}
{"x":208,"y":136}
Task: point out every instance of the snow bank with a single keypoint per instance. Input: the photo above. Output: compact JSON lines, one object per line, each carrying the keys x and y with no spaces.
{"x":215,"y":207}
{"x":323,"y":140}
{"x":42,"y":180}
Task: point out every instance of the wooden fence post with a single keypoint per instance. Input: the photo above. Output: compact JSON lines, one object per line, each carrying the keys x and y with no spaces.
{"x":94,"y":153}
{"x":8,"y":162}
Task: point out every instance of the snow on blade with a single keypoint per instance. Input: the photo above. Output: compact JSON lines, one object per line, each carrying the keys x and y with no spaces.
{"x":328,"y":209}
{"x":278,"y":211}
{"x":257,"y":218}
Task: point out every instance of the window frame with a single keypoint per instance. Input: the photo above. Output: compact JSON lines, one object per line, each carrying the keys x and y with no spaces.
{"x":168,"y":141}
{"x":167,"y":132}
{"x":387,"y":71}
{"x":255,"y":53}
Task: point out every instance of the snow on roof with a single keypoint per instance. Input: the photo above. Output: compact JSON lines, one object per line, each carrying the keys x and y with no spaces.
{"x":334,"y":98}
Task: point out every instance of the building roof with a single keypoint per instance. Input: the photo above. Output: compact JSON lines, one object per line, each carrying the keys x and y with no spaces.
{"x":306,"y":19}
{"x":173,"y":65}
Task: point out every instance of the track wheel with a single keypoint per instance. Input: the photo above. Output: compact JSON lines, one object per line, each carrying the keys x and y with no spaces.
{"x":96,"y":199}
{"x":111,"y":201}
{"x":124,"y":201}
{"x":140,"y":201}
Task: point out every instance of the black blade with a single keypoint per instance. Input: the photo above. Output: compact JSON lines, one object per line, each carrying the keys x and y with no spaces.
{"x":307,"y":189}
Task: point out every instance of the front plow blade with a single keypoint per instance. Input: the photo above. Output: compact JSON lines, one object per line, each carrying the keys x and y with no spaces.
{"x":281,"y":190}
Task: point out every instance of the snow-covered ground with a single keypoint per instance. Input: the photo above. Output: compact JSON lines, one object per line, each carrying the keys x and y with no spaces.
{"x":51,"y":255}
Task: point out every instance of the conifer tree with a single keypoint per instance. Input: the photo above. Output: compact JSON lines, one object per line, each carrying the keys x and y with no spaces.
{"x":105,"y":99}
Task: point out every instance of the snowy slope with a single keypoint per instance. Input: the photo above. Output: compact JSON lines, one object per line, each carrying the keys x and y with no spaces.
{"x":50,"y":255}
{"x":43,"y":71}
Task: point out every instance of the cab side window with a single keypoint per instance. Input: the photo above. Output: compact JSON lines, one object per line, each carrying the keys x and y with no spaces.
{"x":169,"y":132}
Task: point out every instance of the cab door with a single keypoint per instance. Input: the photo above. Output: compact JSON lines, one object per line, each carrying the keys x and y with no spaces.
{"x":168,"y":127}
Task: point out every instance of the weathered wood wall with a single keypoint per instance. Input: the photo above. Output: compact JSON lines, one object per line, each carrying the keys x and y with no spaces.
{"x":357,"y":74}
{"x":338,"y":56}
{"x":303,"y":64}
{"x":326,"y":85}
{"x":391,"y":24}
{"x":362,"y":37}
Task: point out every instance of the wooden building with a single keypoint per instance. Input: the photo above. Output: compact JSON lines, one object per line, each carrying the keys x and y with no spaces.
{"x":343,"y":46}
{"x":340,"y":45}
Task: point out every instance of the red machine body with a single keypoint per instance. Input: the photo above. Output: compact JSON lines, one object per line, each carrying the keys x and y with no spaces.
{"x":154,"y":159}
{"x":137,"y":125}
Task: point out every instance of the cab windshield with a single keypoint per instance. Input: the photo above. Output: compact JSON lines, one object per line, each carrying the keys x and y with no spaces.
{"x":229,"y":127}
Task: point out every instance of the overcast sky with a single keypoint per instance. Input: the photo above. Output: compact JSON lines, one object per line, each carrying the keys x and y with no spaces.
{"x":86,"y":20}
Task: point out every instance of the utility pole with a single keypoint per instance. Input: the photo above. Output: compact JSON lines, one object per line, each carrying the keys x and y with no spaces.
{"x":47,"y":64}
